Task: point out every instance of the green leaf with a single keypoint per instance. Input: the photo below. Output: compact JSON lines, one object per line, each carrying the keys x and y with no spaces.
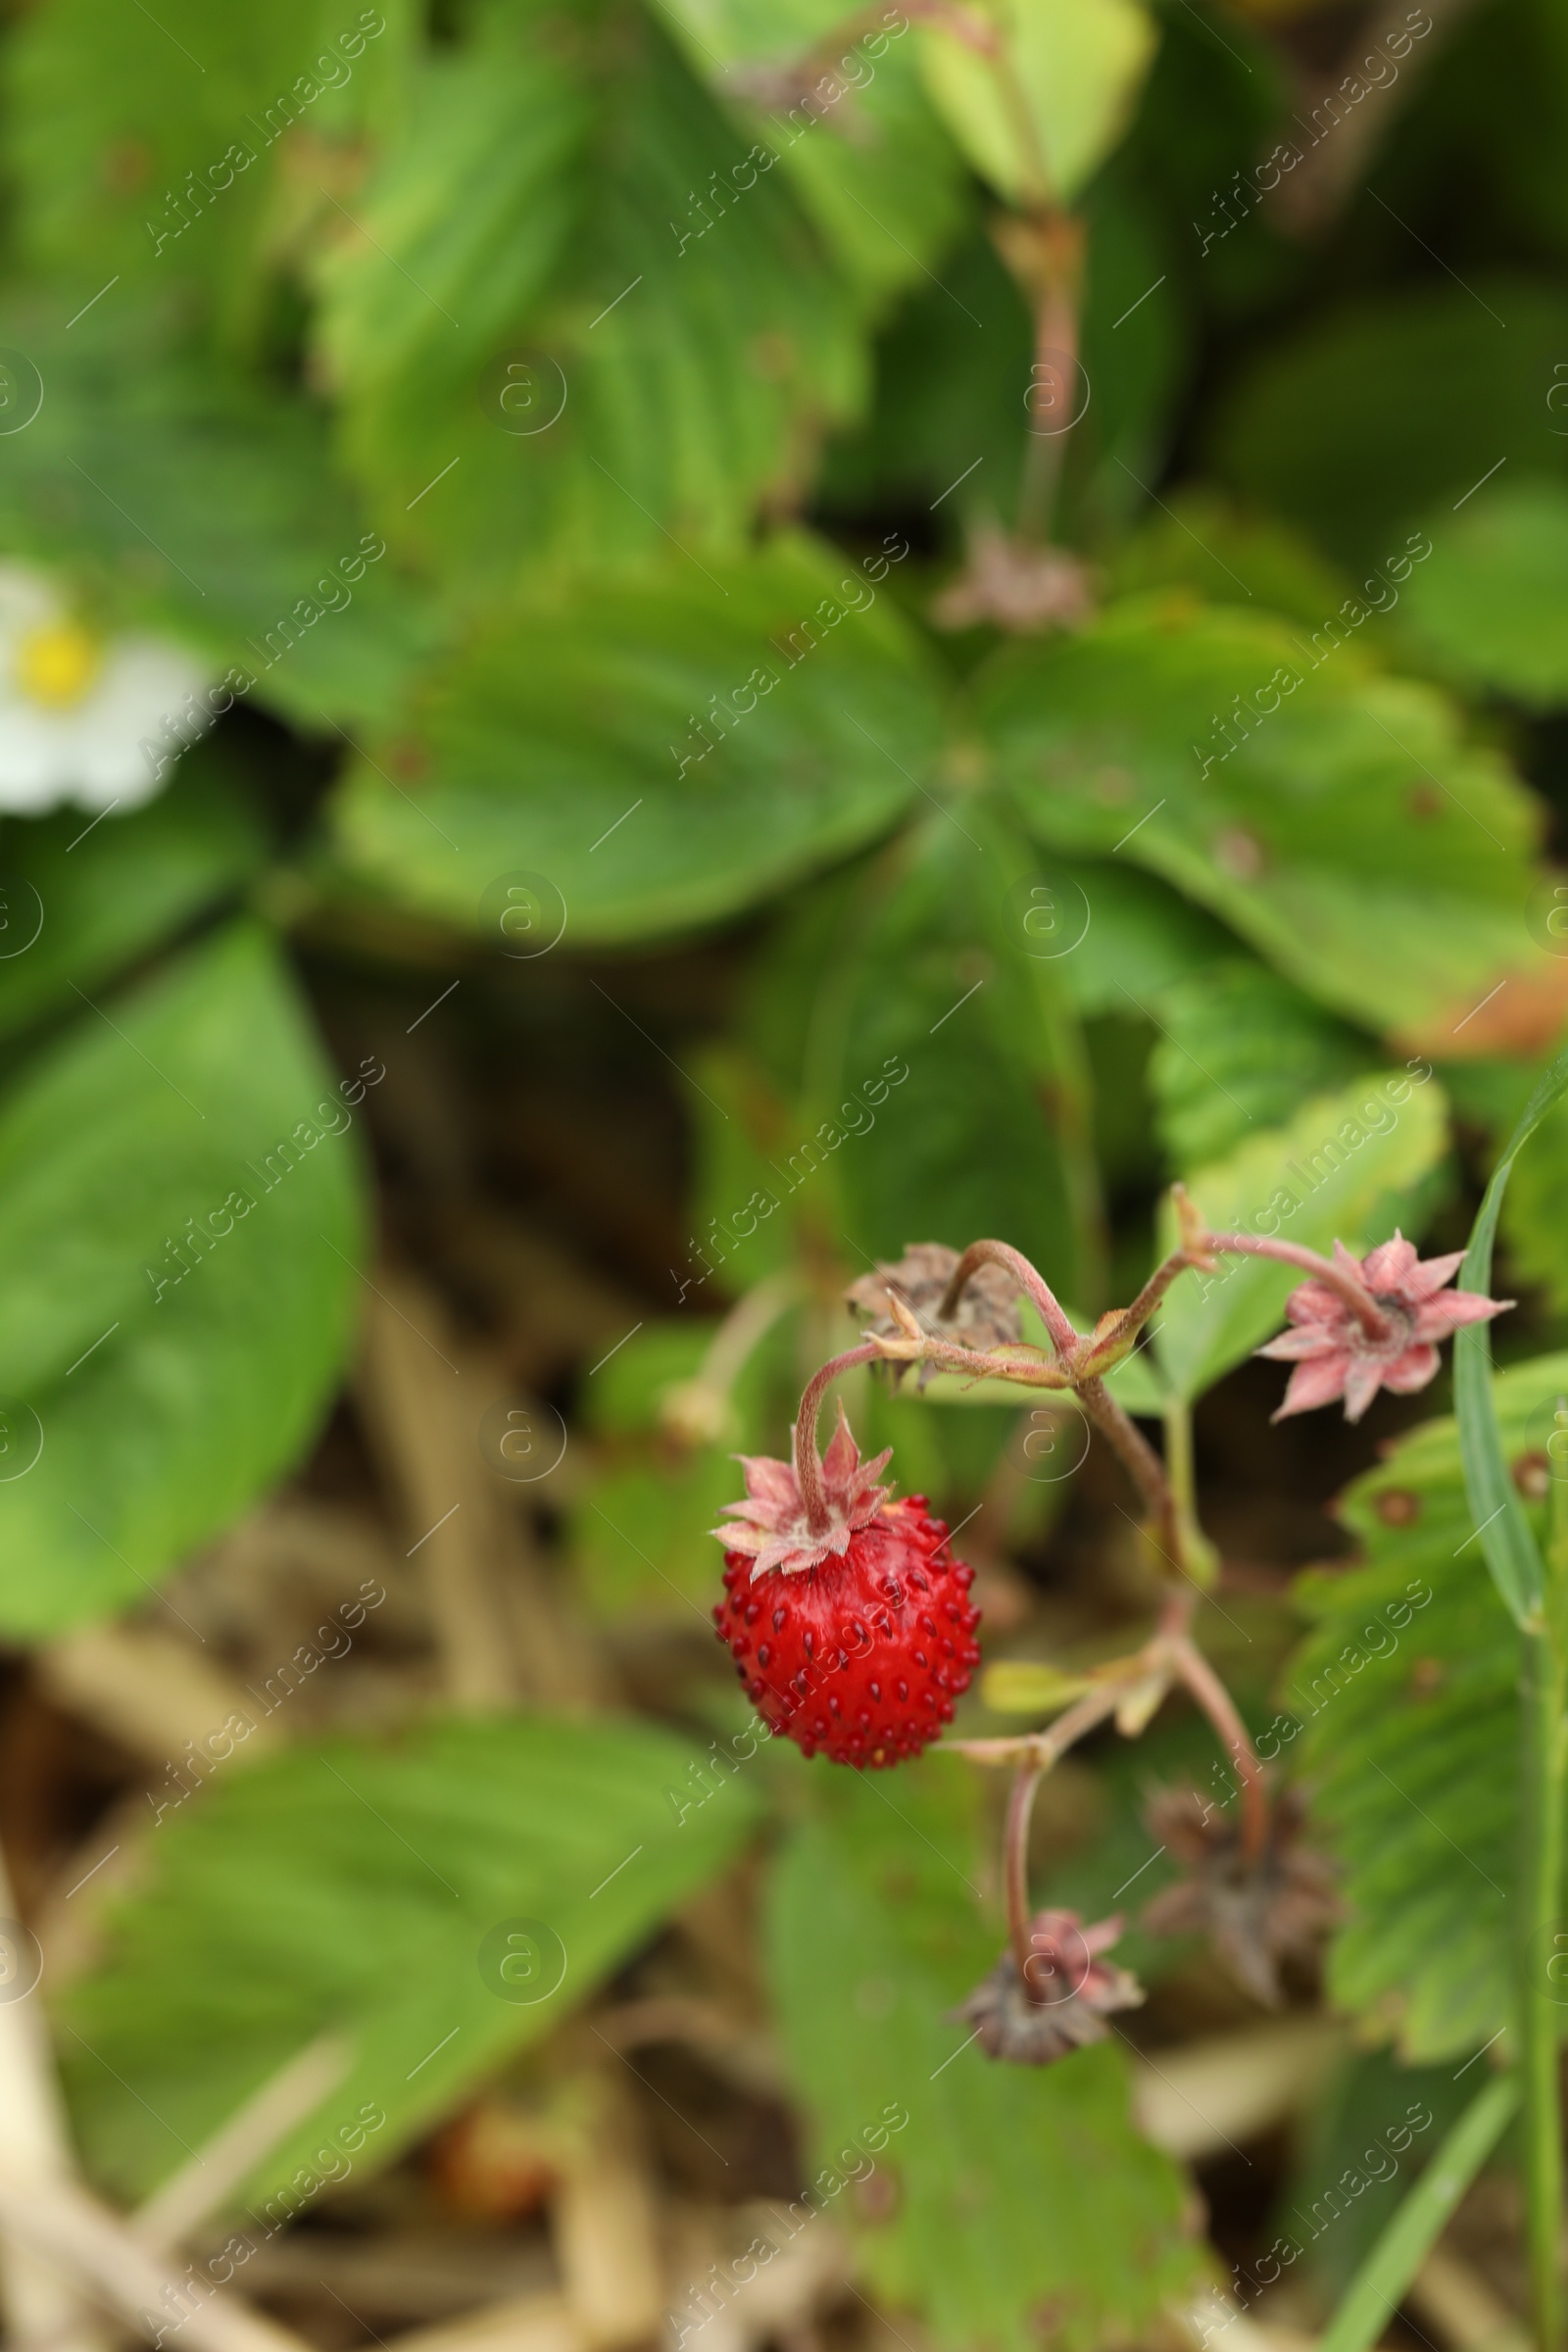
{"x":108,"y":896}
{"x":461,"y":229}
{"x":1142,"y":937}
{"x":182,"y":496}
{"x":1347,"y":833}
{"x":1237,"y":1049}
{"x":880,"y":178}
{"x":680,"y":348}
{"x":1407,"y":1692}
{"x":352,"y":1888}
{"x":1343,"y":1169}
{"x":640,"y":1525}
{"x":867,"y":158}
{"x":1076,"y":67}
{"x":166,"y":1411}
{"x":1013,"y":2190}
{"x":1491,"y":609}
{"x":1137,"y":351}
{"x":1512,"y":1553}
{"x":641,"y":1543}
{"x":157,"y":148}
{"x":600,"y":764}
{"x":952,"y":369}
{"x":927,"y":977}
{"x":1201,"y":540}
{"x":1337,"y":429}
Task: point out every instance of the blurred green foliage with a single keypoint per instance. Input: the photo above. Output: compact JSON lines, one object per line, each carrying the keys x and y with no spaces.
{"x":556,"y":425}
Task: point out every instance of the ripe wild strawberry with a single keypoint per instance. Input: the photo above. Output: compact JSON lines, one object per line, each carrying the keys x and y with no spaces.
{"x":850,"y":1622}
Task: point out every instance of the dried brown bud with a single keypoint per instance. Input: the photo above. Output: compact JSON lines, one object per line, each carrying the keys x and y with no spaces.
{"x":896,"y":1298}
{"x":1255,"y":1913}
{"x":1015,"y":586}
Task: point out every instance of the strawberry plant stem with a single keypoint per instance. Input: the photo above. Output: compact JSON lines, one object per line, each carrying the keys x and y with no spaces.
{"x":1218,"y":1705}
{"x":1029,"y":1279}
{"x":1015,"y":1863}
{"x":1357,"y":1298}
{"x":807,"y":1461}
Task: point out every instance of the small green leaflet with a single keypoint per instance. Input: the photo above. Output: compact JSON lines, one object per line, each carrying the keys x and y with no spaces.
{"x":369,"y":1889}
{"x":1343,"y":1170}
{"x":870,"y":159}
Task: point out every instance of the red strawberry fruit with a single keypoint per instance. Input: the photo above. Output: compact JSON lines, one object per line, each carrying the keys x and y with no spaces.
{"x":849,"y":1620}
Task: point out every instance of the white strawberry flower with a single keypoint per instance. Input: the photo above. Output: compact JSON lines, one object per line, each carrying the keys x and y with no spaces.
{"x":85,"y":716}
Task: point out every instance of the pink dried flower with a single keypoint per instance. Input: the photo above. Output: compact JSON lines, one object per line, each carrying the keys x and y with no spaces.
{"x":1069,"y":1993}
{"x":1339,"y":1351}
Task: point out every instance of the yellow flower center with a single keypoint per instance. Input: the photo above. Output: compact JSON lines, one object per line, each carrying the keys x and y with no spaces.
{"x":58,"y":664}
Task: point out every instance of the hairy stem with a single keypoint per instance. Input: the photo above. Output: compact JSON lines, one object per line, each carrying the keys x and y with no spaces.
{"x":1357,"y":1298}
{"x":1046,"y":1748}
{"x":1016,"y":1865}
{"x":1145,"y":1464}
{"x":1115,"y":1333}
{"x":807,"y":1461}
{"x":1218,"y":1705}
{"x":1055,"y":368}
{"x":1000,"y":1253}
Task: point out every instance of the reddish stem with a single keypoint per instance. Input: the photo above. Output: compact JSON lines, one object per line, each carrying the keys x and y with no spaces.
{"x":1000,"y":1253}
{"x":1028,"y":1371}
{"x":1016,"y":1864}
{"x":964,"y":24}
{"x":1144,"y":1464}
{"x":1356,"y":1293}
{"x":1126,"y":1326}
{"x":807,"y":1461}
{"x":1217,"y":1704}
{"x":1046,"y":1748}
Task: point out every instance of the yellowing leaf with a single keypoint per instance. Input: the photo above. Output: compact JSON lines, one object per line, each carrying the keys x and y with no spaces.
{"x":1075,"y":66}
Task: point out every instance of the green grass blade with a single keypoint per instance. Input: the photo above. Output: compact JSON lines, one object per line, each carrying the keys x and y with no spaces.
{"x":1373,"y":2293}
{"x":1511,"y":1551}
